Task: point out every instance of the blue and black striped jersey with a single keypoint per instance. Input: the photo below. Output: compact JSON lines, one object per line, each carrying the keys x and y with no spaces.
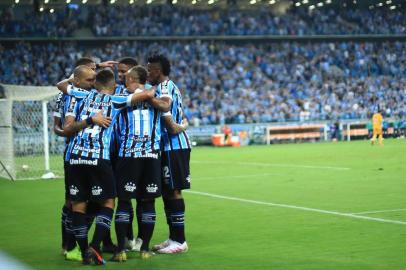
{"x":64,"y":102}
{"x":94,"y":141}
{"x":139,"y":129}
{"x":115,"y":144}
{"x":180,"y":140}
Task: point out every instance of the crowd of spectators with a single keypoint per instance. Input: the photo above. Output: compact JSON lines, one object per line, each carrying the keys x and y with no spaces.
{"x":246,"y":83}
{"x":171,"y":20}
{"x":44,"y":24}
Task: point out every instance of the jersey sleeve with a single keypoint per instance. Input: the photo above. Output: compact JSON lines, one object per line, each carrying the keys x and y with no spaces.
{"x":166,"y":89}
{"x":57,"y":109}
{"x":121,"y":102}
{"x":73,"y":107}
{"x":77,"y":92}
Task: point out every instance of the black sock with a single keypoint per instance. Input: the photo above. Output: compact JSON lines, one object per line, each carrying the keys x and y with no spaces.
{"x":103,"y":223}
{"x":148,"y":218}
{"x":70,"y":236}
{"x":122,"y":222}
{"x":91,"y":212}
{"x":107,"y":241}
{"x":80,"y":230}
{"x":177,"y":209}
{"x":138,"y":212}
{"x":64,"y":214}
{"x":130,"y":232}
{"x":168,"y":217}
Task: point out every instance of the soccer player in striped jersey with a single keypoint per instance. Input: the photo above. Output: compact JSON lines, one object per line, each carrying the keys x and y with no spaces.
{"x":124,"y":65}
{"x":90,"y":172}
{"x":175,"y":157}
{"x":85,"y":81}
{"x":138,"y":167}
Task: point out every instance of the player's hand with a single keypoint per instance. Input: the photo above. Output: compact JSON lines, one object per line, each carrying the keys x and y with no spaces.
{"x":108,"y":64}
{"x":185,"y":123}
{"x":151,"y":92}
{"x":100,"y":120}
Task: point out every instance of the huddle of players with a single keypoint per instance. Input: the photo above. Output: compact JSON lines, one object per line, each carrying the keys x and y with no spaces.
{"x":122,"y":140}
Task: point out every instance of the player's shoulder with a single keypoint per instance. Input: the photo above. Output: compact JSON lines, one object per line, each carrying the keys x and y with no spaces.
{"x":166,"y":87}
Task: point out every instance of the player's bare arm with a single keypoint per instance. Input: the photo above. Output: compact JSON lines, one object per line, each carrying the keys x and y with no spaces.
{"x":162,"y":103}
{"x":63,"y":85}
{"x":58,"y":127}
{"x":72,"y":126}
{"x":105,"y":64}
{"x":172,"y":126}
{"x":143,"y":96}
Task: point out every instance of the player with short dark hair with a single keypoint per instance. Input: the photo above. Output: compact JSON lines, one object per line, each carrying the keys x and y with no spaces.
{"x":124,"y":65}
{"x":90,"y":172}
{"x":175,"y":157}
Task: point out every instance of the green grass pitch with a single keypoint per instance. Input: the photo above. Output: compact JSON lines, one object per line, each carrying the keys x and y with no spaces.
{"x":278,"y":207}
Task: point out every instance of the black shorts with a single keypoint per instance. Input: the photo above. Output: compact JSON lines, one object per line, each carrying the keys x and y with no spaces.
{"x":176,"y":170}
{"x":91,"y":179}
{"x":138,"y":178}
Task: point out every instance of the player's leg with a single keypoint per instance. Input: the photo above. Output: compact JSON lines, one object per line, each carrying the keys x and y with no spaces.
{"x":103,"y":191}
{"x":68,"y":238}
{"x":374,"y":135}
{"x":130,"y":231}
{"x":79,"y":226}
{"x":64,"y":214}
{"x":92,"y":209}
{"x":176,"y":178}
{"x":79,"y":195}
{"x":380,"y":138}
{"x":127,"y":173}
{"x":150,"y":188}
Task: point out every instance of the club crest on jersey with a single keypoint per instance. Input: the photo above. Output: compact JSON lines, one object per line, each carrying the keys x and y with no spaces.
{"x":152,"y":188}
{"x":96,"y":190}
{"x":130,"y":187}
{"x":73,"y":190}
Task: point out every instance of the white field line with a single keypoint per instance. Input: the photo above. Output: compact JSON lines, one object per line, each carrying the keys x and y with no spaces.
{"x":273,"y":165}
{"x":379,"y":211}
{"x":238,"y":176}
{"x":335,"y":213}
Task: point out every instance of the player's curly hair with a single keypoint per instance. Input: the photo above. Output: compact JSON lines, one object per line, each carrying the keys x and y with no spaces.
{"x":162,"y":61}
{"x":129,"y":61}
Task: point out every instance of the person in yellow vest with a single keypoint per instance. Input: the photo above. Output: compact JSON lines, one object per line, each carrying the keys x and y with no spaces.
{"x":377,"y":120}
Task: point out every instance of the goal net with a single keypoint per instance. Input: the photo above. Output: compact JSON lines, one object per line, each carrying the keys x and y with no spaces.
{"x":29,"y":148}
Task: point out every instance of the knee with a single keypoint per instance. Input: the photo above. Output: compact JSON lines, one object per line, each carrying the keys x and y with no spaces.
{"x":79,"y":207}
{"x":109,"y":203}
{"x":173,"y":195}
{"x":68,"y":204}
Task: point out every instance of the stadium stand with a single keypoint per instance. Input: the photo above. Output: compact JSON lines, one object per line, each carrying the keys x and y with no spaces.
{"x":246,"y":83}
{"x":171,"y":20}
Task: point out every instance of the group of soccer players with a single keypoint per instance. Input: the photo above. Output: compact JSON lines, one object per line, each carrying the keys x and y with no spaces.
{"x":126,"y":139}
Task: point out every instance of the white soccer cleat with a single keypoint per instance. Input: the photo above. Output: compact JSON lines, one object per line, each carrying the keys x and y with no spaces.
{"x":162,"y":245}
{"x":174,"y":247}
{"x":134,"y":245}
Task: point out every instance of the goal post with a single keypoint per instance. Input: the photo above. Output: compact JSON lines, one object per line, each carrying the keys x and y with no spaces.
{"x":27,"y":140}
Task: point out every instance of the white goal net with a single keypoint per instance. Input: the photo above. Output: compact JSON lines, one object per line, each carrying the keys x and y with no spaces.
{"x":28,"y":147}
